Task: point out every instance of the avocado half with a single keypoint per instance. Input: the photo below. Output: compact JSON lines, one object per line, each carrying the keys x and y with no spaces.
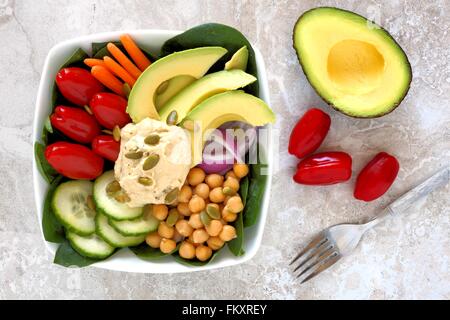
{"x":352,"y":63}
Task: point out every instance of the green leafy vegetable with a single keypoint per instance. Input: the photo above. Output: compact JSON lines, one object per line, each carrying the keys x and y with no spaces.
{"x":236,"y":246}
{"x":44,"y":167}
{"x":215,"y":34}
{"x":257,"y":187}
{"x":145,"y":252}
{"x":52,"y":228}
{"x":66,"y":256}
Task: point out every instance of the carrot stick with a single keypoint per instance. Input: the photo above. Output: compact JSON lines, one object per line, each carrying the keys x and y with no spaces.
{"x":118,"y":71}
{"x":90,"y":62}
{"x":123,"y":60}
{"x":103,"y":75}
{"x":135,"y":53}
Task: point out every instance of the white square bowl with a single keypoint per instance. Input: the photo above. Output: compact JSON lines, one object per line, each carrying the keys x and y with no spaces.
{"x":125,"y":260}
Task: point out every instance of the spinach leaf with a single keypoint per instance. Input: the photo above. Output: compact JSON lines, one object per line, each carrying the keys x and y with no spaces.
{"x":52,"y":228}
{"x":215,"y":34}
{"x":236,"y":246}
{"x":66,"y":256}
{"x":194,"y":263}
{"x":44,"y":167}
{"x":75,"y":59}
{"x":145,"y":252}
{"x":257,"y":187}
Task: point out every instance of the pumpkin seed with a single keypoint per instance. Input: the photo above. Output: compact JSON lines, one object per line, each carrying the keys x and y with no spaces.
{"x":147,"y":212}
{"x":113,"y":187}
{"x":212,"y":211}
{"x":116,"y":133}
{"x":228,"y":191}
{"x":134,"y":155}
{"x":162,"y":87}
{"x":152,"y":139}
{"x":204,"y":218}
{"x":151,"y":161}
{"x":172,"y":195}
{"x":172,"y":118}
{"x":122,"y":197}
{"x":126,"y":89}
{"x":172,"y":218}
{"x":105,"y":131}
{"x":88,"y":110}
{"x":146,"y":181}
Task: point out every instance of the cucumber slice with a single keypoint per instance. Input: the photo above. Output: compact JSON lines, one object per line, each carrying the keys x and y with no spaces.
{"x":108,"y":205}
{"x":69,"y":203}
{"x":114,"y":238}
{"x":90,"y":246}
{"x":136,"y":227}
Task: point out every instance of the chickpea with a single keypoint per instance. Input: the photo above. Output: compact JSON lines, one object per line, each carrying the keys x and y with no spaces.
{"x":183,"y":228}
{"x":216,"y":195}
{"x":231,"y":174}
{"x":196,"y":176}
{"x":153,"y":239}
{"x":203,"y":253}
{"x":195,"y":222}
{"x":226,"y":200}
{"x":214,"y":228}
{"x":228,"y":233}
{"x":232,"y":183}
{"x":165,"y":231}
{"x":160,"y":211}
{"x":177,"y":237}
{"x":228,"y":216}
{"x":183,"y":208}
{"x":240,"y":169}
{"x":214,"y":180}
{"x":200,"y":236}
{"x":196,"y":204}
{"x":215,"y":243}
{"x":167,"y":245}
{"x":185,"y":194}
{"x":191,"y":241}
{"x":187,"y":250}
{"x":202,"y":190}
{"x":234,"y":204}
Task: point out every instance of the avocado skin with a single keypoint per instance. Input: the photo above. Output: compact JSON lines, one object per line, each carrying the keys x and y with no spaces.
{"x":408,"y":64}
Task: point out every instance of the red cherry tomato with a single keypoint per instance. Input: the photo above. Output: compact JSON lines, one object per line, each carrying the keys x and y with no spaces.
{"x":376,"y":177}
{"x":309,"y":133}
{"x":74,"y":161}
{"x":75,"y":123}
{"x":77,"y":85}
{"x":324,"y":169}
{"x":106,"y":147}
{"x":110,"y":110}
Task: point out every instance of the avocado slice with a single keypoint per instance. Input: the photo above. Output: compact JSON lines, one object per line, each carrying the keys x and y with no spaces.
{"x":224,"y":107}
{"x":170,"y":88}
{"x":238,"y":60}
{"x":204,"y":88}
{"x":193,"y":62}
{"x":352,"y":63}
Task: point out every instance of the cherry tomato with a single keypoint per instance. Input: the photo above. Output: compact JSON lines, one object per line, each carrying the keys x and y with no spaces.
{"x":74,"y":161}
{"x":110,"y":110}
{"x":376,"y":177}
{"x":75,"y":123}
{"x":309,"y":133}
{"x":106,"y":147}
{"x":324,"y":168}
{"x":77,"y":85}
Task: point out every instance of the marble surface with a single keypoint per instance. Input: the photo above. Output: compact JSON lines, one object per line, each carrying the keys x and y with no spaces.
{"x":408,"y":257}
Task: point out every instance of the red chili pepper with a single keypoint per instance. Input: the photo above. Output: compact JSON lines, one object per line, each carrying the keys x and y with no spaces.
{"x":106,"y":147}
{"x":324,"y":168}
{"x":376,"y":177}
{"x":77,"y":85}
{"x":110,"y":110}
{"x":74,"y":161}
{"x":75,"y":123}
{"x":309,"y":133}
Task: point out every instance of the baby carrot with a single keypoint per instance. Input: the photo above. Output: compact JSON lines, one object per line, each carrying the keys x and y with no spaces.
{"x":102,"y":74}
{"x":117,"y":70}
{"x":90,"y":62}
{"x":135,"y":53}
{"x":123,"y":60}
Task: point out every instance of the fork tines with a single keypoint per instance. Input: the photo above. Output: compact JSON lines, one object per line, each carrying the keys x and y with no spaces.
{"x":317,"y":256}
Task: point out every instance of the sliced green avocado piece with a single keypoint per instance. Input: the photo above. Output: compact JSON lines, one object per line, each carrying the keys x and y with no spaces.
{"x":220,"y":108}
{"x":170,"y":88}
{"x":352,"y":63}
{"x":193,"y":62}
{"x":204,"y":88}
{"x":238,"y":60}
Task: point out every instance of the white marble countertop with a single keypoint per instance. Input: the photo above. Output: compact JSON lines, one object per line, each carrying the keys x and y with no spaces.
{"x":406,"y":257}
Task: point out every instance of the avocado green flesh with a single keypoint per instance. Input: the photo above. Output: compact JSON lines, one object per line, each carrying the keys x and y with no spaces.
{"x":174,"y":86}
{"x":204,"y":88}
{"x":221,"y":108}
{"x":238,"y":60}
{"x":353,"y":64}
{"x":193,"y":62}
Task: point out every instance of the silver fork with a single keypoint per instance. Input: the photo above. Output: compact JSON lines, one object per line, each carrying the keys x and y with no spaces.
{"x":338,"y":241}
